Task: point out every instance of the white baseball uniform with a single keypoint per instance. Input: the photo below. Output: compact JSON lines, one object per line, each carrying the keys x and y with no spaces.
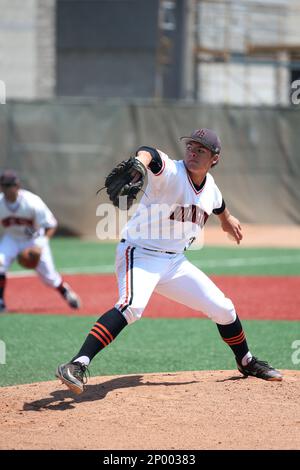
{"x":169,"y":217}
{"x":24,"y":223}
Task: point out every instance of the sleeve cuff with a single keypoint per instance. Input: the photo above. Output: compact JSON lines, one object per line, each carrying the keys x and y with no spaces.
{"x":156,"y":164}
{"x":220,"y":209}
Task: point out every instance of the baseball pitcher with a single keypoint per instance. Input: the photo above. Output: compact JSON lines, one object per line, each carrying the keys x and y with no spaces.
{"x":179,"y":197}
{"x":28,"y":225}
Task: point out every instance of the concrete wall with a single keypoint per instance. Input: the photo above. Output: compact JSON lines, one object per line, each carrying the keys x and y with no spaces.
{"x":112,"y":48}
{"x":232,"y":26}
{"x":237,"y":84}
{"x":27,"y":48}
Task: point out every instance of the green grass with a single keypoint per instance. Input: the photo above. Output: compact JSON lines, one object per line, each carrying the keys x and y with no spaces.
{"x":247,"y":261}
{"x":75,"y":255}
{"x":35,"y":345}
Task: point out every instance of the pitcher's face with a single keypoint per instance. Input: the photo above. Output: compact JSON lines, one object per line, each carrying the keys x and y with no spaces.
{"x":197,"y":157}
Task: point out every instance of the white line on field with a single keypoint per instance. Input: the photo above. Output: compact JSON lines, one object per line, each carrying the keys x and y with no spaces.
{"x":106,"y":268}
{"x":259,"y":261}
{"x":210,"y":263}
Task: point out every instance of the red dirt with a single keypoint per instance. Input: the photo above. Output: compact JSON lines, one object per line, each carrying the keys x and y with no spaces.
{"x":268,"y":298}
{"x":182,"y":410}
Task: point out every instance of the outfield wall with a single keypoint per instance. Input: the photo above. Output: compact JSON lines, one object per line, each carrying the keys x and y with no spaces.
{"x":64,"y":148}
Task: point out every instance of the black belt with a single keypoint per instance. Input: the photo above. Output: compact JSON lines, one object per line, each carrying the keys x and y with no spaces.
{"x":123,"y":240}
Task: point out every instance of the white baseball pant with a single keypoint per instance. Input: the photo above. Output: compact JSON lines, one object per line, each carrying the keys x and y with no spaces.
{"x":140,"y":272}
{"x":10,"y":247}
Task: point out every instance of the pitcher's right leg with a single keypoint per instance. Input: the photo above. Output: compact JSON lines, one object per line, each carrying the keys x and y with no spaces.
{"x":136,"y":284}
{"x":104,"y":331}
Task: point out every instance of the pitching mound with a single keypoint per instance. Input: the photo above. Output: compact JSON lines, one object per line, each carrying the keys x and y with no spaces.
{"x":184,"y":410}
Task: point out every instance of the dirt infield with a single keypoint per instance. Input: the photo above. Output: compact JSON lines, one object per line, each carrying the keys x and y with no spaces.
{"x":284,"y":236}
{"x":155,"y":411}
{"x":268,"y":298}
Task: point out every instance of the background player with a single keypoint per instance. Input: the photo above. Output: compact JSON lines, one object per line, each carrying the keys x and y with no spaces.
{"x":145,"y":262}
{"x":27,"y":222}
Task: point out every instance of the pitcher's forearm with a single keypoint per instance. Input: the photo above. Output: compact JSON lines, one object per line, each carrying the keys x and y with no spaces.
{"x":224,"y":216}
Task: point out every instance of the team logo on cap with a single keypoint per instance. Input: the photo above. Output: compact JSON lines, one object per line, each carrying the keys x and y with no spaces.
{"x":200,"y":133}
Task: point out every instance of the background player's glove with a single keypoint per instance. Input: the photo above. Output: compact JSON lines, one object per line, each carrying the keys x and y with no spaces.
{"x":126,"y":179}
{"x":30,"y":257}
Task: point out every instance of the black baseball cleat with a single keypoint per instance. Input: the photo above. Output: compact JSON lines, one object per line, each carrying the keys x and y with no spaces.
{"x":70,"y":296}
{"x":2,"y":307}
{"x":73,"y":375}
{"x":259,"y":369}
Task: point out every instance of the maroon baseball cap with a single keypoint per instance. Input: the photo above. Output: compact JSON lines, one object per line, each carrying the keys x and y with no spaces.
{"x":9,"y":177}
{"x":207,"y":138}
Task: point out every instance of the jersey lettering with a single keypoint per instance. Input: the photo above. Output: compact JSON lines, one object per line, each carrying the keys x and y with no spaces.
{"x":10,"y":221}
{"x":191,"y":213}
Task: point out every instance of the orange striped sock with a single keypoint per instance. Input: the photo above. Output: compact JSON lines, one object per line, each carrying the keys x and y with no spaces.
{"x":234,"y":335}
{"x":102,"y":333}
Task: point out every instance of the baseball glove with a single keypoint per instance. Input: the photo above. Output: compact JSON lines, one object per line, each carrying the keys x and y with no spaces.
{"x":30,"y":257}
{"x":126,"y":179}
